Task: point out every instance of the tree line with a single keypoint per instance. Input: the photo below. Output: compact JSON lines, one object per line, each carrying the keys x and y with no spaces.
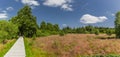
{"x":89,"y":29}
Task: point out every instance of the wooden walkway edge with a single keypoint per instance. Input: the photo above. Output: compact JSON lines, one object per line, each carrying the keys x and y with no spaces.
{"x":17,"y":50}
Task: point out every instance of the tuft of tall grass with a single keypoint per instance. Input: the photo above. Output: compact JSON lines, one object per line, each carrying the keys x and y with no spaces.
{"x":32,"y":51}
{"x":6,"y":47}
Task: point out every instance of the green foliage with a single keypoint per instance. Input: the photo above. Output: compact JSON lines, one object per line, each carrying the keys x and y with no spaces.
{"x":61,"y":33}
{"x":97,"y":32}
{"x":8,"y":30}
{"x":43,"y":25}
{"x":50,"y":26}
{"x":26,"y":22}
{"x":80,"y":30}
{"x":56,"y":27}
{"x":109,"y":32}
{"x":3,"y":34}
{"x":38,"y":33}
{"x":117,"y":25}
{"x":47,"y":29}
{"x":67,"y":29}
{"x":88,"y":30}
{"x":53,"y":29}
{"x":41,"y":33}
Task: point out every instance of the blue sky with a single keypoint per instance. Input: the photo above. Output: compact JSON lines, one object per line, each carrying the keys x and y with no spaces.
{"x":73,"y":13}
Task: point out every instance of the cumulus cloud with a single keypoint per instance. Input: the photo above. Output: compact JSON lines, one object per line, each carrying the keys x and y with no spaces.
{"x":67,"y":7}
{"x":54,"y":3}
{"x":30,"y":2}
{"x":9,"y":8}
{"x":90,"y":19}
{"x":4,"y":12}
{"x":63,"y":4}
{"x":3,"y":15}
{"x":64,"y":25}
{"x":110,"y":13}
{"x":113,"y":14}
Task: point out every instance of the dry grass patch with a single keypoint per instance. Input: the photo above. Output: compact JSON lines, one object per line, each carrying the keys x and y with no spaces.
{"x":75,"y":45}
{"x":5,"y":47}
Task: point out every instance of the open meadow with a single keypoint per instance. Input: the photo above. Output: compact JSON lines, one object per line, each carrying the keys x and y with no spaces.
{"x":73,"y":45}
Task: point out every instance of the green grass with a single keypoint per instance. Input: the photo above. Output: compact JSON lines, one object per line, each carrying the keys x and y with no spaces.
{"x":32,"y":51}
{"x":6,"y":48}
{"x":1,"y":40}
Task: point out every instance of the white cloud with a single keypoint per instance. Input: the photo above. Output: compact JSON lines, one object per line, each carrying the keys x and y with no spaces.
{"x":113,"y":14}
{"x":64,"y":25}
{"x":110,"y":13}
{"x":3,"y":15}
{"x":67,"y":7}
{"x":90,"y":19}
{"x":3,"y":11}
{"x":29,"y":2}
{"x":63,"y":4}
{"x":9,"y":8}
{"x":54,"y":3}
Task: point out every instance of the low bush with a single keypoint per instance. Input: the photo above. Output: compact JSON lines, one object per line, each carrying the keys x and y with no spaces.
{"x":61,"y":33}
{"x":41,"y":33}
{"x":8,"y":30}
{"x":97,"y":32}
{"x":54,"y":32}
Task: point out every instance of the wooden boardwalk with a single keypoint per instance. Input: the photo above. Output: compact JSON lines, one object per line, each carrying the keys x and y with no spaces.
{"x":17,"y":50}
